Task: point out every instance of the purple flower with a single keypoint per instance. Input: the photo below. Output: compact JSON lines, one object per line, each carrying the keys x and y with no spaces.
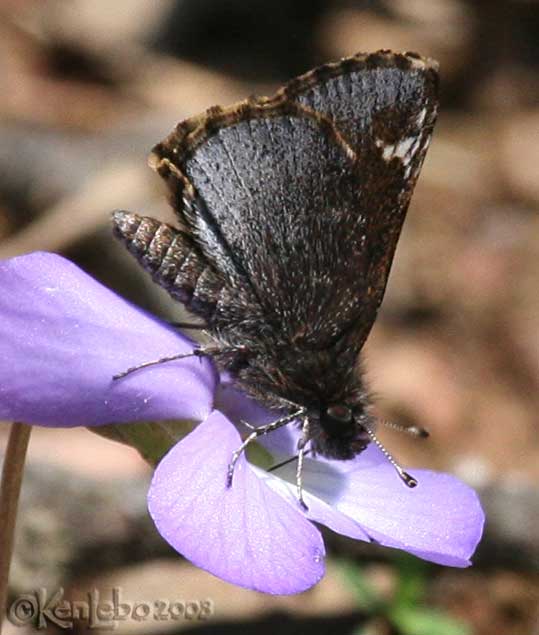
{"x":62,"y":338}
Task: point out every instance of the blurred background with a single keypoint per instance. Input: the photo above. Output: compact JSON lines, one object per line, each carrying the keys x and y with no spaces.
{"x":89,"y":86}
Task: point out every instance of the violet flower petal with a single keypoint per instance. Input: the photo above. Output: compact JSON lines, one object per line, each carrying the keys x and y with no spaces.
{"x":62,"y":338}
{"x":440,"y":520}
{"x":283,"y":482}
{"x":239,"y":407}
{"x":246,"y":534}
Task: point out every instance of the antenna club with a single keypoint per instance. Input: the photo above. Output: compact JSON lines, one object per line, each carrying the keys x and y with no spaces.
{"x":409,"y":480}
{"x":413,"y":430}
{"x":420,"y":432}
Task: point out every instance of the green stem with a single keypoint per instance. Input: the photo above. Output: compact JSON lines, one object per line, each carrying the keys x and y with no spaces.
{"x":10,"y":488}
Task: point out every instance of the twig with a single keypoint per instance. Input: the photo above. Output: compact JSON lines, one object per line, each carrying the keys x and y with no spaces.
{"x":10,"y":487}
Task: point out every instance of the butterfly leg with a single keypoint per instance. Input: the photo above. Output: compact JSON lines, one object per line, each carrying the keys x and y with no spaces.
{"x":301,"y":455}
{"x":258,"y":432}
{"x":285,"y":403}
{"x":187,"y":325}
{"x":197,"y":352}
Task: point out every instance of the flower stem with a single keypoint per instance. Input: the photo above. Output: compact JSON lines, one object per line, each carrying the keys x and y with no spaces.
{"x":10,"y":488}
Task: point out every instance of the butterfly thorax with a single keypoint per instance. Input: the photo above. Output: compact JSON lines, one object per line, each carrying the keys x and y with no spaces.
{"x":276,"y":367}
{"x":328,"y":385}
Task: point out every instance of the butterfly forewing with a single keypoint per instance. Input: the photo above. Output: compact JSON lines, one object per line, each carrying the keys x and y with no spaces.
{"x":285,"y":220}
{"x":299,"y":199}
{"x":385,"y":105}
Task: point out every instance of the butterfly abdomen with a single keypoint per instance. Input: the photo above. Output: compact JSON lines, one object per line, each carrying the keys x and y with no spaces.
{"x":172,"y":259}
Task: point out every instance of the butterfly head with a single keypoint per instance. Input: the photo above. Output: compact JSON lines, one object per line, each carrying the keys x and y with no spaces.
{"x":343,"y":431}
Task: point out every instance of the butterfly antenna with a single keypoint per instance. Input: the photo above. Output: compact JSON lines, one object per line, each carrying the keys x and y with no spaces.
{"x":414,"y":431}
{"x":406,"y":478}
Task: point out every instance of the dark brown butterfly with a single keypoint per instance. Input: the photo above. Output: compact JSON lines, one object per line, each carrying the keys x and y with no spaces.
{"x":289,"y":210}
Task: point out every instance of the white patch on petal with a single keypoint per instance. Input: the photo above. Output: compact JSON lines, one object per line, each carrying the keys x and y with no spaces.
{"x":319,"y":479}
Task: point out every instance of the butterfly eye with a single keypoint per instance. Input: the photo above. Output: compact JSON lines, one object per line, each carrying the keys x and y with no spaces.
{"x":341,"y":413}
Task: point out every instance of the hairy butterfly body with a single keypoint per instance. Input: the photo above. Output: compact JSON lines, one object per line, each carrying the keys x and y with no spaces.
{"x":289,"y":210}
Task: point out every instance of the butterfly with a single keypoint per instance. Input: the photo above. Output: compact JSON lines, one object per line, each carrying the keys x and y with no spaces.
{"x":288,"y":211}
